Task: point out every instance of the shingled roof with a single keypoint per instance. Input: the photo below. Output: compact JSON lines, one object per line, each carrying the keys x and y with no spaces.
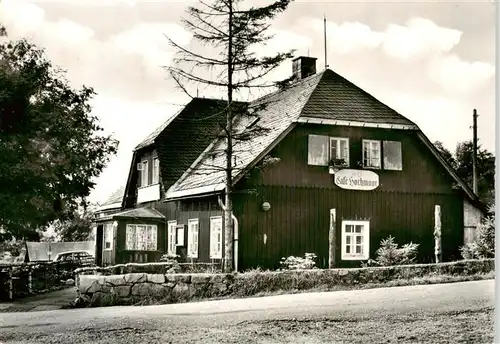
{"x":336,"y":98}
{"x":180,"y":140}
{"x":136,"y":213}
{"x":281,"y":109}
{"x":325,"y":97}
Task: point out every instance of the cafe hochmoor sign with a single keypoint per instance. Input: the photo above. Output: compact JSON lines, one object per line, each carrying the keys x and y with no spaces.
{"x":356,"y":179}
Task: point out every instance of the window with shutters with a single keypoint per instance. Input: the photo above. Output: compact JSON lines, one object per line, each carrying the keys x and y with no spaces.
{"x":216,"y":237}
{"x":193,"y":229}
{"x":371,"y":154}
{"x":339,"y":150}
{"x":323,"y":149}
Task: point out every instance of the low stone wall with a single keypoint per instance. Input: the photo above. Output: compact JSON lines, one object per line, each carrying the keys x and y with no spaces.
{"x":19,"y":280}
{"x":134,"y":288}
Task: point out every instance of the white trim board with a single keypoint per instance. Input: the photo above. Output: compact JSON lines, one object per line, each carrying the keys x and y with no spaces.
{"x":194,"y":191}
{"x":326,"y":121}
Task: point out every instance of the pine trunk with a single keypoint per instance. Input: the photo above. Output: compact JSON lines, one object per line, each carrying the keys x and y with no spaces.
{"x":228,"y":228}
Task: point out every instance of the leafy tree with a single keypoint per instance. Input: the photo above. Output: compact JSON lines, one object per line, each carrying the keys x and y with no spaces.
{"x":461,"y":161}
{"x":50,"y":144}
{"x":231,"y":30}
{"x":76,"y":228}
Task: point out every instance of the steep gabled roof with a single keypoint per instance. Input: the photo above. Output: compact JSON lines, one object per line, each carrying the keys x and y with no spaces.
{"x":326,"y":98}
{"x":336,"y":98}
{"x":180,"y":140}
{"x":280,"y":110}
{"x":150,"y":139}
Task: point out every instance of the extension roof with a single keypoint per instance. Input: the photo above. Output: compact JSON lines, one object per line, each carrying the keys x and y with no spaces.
{"x":135,"y":213}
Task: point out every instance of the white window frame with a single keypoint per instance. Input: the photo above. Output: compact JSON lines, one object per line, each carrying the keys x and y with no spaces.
{"x":193,"y":238}
{"x":337,"y":151}
{"x":171,"y":237}
{"x":144,"y":173}
{"x":150,"y":231}
{"x":365,"y":245}
{"x":370,"y":142}
{"x":215,"y":238}
{"x":107,"y":236}
{"x":156,"y":171}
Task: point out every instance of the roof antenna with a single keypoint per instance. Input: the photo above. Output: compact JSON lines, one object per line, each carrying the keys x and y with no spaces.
{"x":324,"y":29}
{"x":197,"y":89}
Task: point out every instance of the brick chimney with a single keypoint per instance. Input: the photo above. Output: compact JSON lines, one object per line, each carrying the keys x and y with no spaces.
{"x":303,"y":66}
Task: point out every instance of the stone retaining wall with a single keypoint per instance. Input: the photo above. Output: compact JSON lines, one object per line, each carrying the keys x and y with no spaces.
{"x":171,"y":288}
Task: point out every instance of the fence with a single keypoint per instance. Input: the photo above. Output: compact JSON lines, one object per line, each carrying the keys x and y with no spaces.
{"x":23,"y":279}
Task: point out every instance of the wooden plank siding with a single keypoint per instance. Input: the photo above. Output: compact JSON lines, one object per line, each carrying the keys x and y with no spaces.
{"x":298,"y":222}
{"x":198,"y":208}
{"x":421,"y":173}
{"x":302,"y":195}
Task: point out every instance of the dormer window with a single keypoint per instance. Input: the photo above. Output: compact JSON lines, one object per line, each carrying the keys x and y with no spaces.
{"x":144,"y":173}
{"x":156,"y":171}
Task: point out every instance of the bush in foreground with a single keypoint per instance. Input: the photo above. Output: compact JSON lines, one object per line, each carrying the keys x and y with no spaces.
{"x":390,"y":254}
{"x":484,"y":246}
{"x":299,"y":263}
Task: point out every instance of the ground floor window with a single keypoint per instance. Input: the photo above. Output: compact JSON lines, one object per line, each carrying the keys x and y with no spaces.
{"x":192,"y":248}
{"x":172,"y":227}
{"x":216,"y":237}
{"x":142,"y":238}
{"x":355,"y":240}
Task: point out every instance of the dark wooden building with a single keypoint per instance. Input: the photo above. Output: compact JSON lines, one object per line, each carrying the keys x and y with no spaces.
{"x":330,"y":154}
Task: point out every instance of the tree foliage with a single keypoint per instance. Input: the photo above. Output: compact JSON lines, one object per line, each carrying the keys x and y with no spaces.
{"x":461,"y":161}
{"x":50,"y":144}
{"x":231,"y":32}
{"x":77,"y":228}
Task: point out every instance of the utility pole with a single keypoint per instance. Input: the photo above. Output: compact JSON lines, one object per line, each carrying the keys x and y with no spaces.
{"x":326,"y":54}
{"x":474,"y":151}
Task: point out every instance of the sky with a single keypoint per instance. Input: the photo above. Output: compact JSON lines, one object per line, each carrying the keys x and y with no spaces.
{"x":433,"y":62}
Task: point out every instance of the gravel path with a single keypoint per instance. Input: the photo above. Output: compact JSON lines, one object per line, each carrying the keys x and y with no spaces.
{"x":442,"y":313}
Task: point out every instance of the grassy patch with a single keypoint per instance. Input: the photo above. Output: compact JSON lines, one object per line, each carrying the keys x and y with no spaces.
{"x":460,"y":327}
{"x":468,"y":326}
{"x":430,"y":279}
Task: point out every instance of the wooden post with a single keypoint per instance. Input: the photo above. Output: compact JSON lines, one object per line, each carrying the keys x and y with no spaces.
{"x":11,"y":285}
{"x":331,"y":240}
{"x":30,"y":282}
{"x":437,"y":234}
{"x":474,"y":151}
